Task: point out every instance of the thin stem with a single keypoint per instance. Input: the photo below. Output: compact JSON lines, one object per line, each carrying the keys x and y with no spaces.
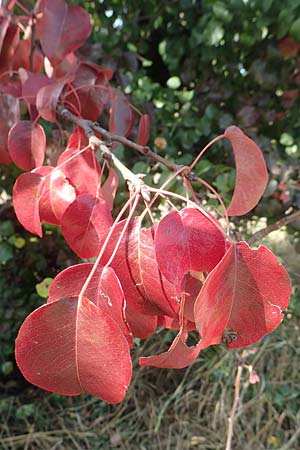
{"x":218,"y":138}
{"x":234,"y":405}
{"x":97,"y":262}
{"x":218,"y":197}
{"x":148,"y":209}
{"x":171,"y":177}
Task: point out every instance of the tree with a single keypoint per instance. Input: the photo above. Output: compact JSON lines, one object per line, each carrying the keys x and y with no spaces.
{"x":185,"y":272}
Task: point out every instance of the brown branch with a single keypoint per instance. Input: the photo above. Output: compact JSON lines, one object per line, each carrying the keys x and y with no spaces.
{"x":136,"y":183}
{"x":92,"y":127}
{"x":259,"y":235}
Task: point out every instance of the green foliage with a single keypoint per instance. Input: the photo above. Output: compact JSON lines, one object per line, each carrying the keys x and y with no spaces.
{"x":199,"y":67}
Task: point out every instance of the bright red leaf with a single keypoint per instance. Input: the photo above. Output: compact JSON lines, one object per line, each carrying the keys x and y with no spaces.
{"x":134,"y":263}
{"x":178,"y":356}
{"x":83,"y":171}
{"x":27,"y":192}
{"x":104,"y":290}
{"x":242,"y":298}
{"x":27,"y":144}
{"x":57,"y":194}
{"x":109,"y":188}
{"x":251,"y":172}
{"x":187,"y":241}
{"x":61,"y":29}
{"x":71,"y":347}
{"x":85,"y":225}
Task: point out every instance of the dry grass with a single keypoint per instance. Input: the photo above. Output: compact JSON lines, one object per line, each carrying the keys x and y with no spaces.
{"x":173,"y":409}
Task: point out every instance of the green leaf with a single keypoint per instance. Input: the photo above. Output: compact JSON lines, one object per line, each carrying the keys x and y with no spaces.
{"x":6,"y":252}
{"x":295,"y":30}
{"x":6,"y":228}
{"x":42,"y":288}
{"x":174,"y":82}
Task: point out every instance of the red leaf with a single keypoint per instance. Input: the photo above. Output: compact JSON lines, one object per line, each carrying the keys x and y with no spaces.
{"x":173,"y":324}
{"x":251,"y":172}
{"x":104,"y":290}
{"x":22,"y":57}
{"x":83,"y":171}
{"x":157,"y":289}
{"x":4,"y":23}
{"x":135,"y":265}
{"x":178,"y":356}
{"x":62,"y":29}
{"x":9,"y":114}
{"x":288,"y":47}
{"x":32,"y":84}
{"x":71,"y":347}
{"x":27,"y":144}
{"x":187,"y":241}
{"x":8,"y":47}
{"x":91,"y":90}
{"x":144,"y":130}
{"x":47,"y":98}
{"x":58,"y":194}
{"x":27,"y":192}
{"x":77,"y":140}
{"x":121,"y":117}
{"x":242,"y":298}
{"x":85,"y":225}
{"x":109,"y":188}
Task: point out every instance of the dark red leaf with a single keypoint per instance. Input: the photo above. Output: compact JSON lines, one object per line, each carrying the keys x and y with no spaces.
{"x":85,"y":225}
{"x":9,"y":114}
{"x":27,"y":145}
{"x":9,"y":44}
{"x":22,"y":57}
{"x":251,"y":172}
{"x":61,"y":29}
{"x":187,"y":241}
{"x":242,"y":298}
{"x":109,"y":188}
{"x":71,"y":347}
{"x":4,"y":23}
{"x":27,"y":192}
{"x":121,"y":116}
{"x":178,"y":356}
{"x":288,"y":47}
{"x":104,"y":290}
{"x":47,"y":98}
{"x":92,"y":93}
{"x":144,"y":130}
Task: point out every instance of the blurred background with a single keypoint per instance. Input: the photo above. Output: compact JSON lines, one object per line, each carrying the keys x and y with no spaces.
{"x":196,"y":67}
